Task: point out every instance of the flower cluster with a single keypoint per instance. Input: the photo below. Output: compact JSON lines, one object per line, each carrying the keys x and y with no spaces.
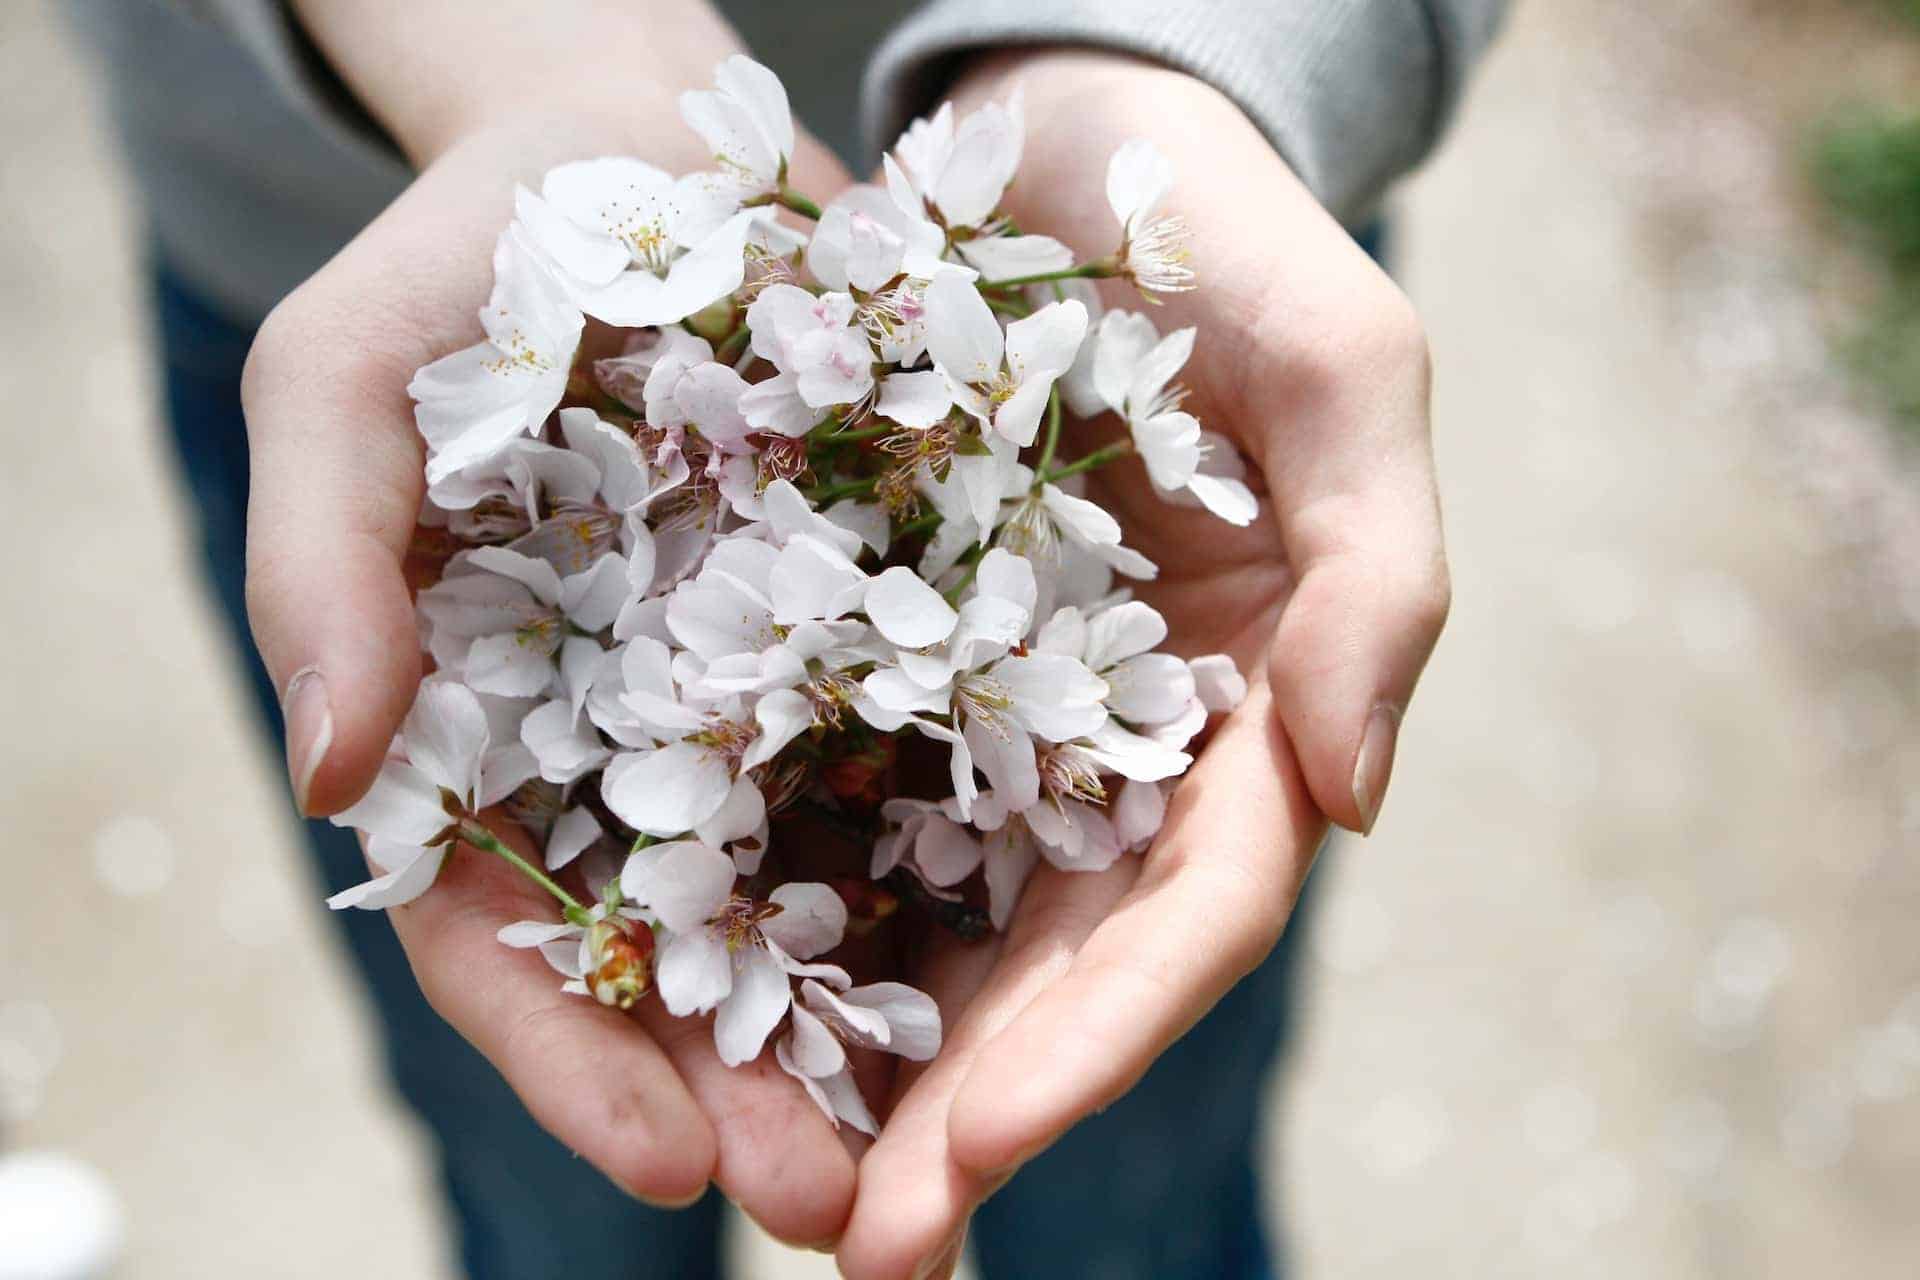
{"x":758,"y":531}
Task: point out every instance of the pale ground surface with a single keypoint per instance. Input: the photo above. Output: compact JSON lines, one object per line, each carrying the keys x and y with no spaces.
{"x":1627,"y":984}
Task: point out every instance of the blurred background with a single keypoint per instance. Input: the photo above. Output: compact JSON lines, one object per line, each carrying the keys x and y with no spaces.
{"x":1626,"y":984}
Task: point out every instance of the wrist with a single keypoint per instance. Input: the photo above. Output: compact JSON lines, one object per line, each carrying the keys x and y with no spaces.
{"x":1122,"y":92}
{"x":437,"y":72}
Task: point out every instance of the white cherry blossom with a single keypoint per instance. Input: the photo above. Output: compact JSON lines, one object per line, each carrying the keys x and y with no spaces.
{"x":728,"y":954}
{"x":889,"y":1016}
{"x":1153,"y":250}
{"x":500,"y":620}
{"x":652,"y":637}
{"x":746,"y":121}
{"x":961,"y":172}
{"x":1133,"y":374}
{"x":471,"y":404}
{"x":434,"y":778}
{"x":635,"y":246}
{"x":1050,"y":516}
{"x":1002,"y":379}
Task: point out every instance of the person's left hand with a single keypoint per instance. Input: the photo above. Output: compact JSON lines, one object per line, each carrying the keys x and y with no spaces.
{"x":1313,"y":364}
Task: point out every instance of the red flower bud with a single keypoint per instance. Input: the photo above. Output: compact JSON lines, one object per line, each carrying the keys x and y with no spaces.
{"x":867,"y":904}
{"x":621,"y":959}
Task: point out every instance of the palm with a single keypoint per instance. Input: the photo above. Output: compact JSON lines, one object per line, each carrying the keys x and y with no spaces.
{"x":1309,"y":362}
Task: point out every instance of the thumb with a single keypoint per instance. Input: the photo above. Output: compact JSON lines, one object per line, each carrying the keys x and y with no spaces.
{"x":1360,"y":519}
{"x":337,"y":465}
{"x":334,"y":496}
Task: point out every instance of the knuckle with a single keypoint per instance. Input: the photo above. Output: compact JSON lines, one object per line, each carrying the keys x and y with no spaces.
{"x":1433,"y":600}
{"x":1247,"y":942}
{"x":1319,"y":353}
{"x":270,"y":357}
{"x":533,"y":1037}
{"x":1253,"y":879}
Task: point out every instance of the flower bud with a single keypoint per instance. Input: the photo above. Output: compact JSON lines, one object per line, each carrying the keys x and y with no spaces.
{"x":714,"y":321}
{"x":860,"y":778}
{"x":867,"y":903}
{"x":620,"y":962}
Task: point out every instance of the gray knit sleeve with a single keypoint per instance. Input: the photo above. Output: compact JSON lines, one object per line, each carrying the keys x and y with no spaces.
{"x":274,"y":39}
{"x":1353,"y":93}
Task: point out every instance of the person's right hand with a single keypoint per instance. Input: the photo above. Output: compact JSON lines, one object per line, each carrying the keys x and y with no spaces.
{"x":336,"y":488}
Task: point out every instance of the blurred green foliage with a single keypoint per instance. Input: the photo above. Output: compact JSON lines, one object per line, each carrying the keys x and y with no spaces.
{"x":1866,"y":165}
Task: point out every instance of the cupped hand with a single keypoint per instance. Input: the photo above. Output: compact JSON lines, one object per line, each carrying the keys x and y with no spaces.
{"x":1312,"y":364}
{"x":337,"y":477}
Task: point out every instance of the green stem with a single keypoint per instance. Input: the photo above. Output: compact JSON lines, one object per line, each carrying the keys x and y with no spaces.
{"x":952,"y":593}
{"x":924,"y":524}
{"x":481,"y":838}
{"x":1098,"y":458}
{"x":1010,"y":306}
{"x":864,"y":433}
{"x":788,"y":198}
{"x":844,"y":489}
{"x":1098,"y":269}
{"x":1053,"y":431}
{"x":736,"y":342}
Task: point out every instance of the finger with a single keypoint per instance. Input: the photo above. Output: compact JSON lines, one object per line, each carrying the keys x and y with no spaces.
{"x":1210,"y":902}
{"x":336,"y":470}
{"x":778,"y":1157}
{"x":592,"y":1078}
{"x":1351,"y":472}
{"x":914,"y":1197}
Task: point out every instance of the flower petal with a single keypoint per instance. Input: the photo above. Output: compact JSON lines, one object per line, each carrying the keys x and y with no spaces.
{"x":907,"y":611}
{"x":812,"y":919}
{"x":1011,"y":257}
{"x":1125,"y":338}
{"x":446,"y":735}
{"x":1138,"y":175}
{"x":986,"y":152}
{"x":1227,"y":498}
{"x":914,"y":399}
{"x":962,"y":335}
{"x":760,"y":997}
{"x":912,"y":1017}
{"x":403,"y":805}
{"x":1149,"y":688}
{"x":782,"y":715}
{"x":684,"y":882}
{"x":1217,"y":682}
{"x":694,"y":972}
{"x":1011,"y":854}
{"x":945,"y":852}
{"x":1116,"y":634}
{"x":573,"y":833}
{"x":815,"y":1049}
{"x":413,"y":873}
{"x":1044,"y":344}
{"x":526,"y":934}
{"x":1138,"y":812}
{"x":669,"y":791}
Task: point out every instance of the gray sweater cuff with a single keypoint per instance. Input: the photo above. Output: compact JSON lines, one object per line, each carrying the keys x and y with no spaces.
{"x":1353,"y":93}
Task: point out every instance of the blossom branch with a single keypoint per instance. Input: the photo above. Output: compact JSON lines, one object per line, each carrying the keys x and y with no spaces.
{"x":1098,"y":458}
{"x":481,"y":838}
{"x":1098,"y":269}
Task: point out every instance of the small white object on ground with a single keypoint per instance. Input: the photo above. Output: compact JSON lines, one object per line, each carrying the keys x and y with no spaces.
{"x":59,"y":1218}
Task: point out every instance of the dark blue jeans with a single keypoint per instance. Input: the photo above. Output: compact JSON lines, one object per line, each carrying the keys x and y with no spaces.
{"x":1163,"y":1185}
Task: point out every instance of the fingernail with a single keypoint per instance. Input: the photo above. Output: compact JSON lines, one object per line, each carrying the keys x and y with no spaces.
{"x":943,"y":1263}
{"x":659,"y":1202}
{"x":309,"y":720}
{"x":1375,"y":763}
